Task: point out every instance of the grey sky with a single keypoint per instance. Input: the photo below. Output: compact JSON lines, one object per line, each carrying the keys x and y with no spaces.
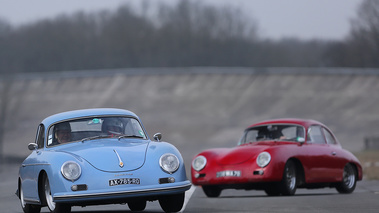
{"x":305,"y":19}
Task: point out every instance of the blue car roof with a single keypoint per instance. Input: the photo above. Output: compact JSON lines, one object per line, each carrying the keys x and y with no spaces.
{"x":85,"y":113}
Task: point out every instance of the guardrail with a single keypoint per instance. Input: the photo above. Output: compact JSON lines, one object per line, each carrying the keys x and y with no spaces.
{"x":371,"y":143}
{"x":191,"y":70}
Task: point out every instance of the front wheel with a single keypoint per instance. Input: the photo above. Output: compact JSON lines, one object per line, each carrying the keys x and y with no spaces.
{"x":288,"y":184}
{"x":272,"y":190}
{"x":28,"y":208}
{"x":172,"y":203}
{"x":53,"y":207}
{"x":211,"y":191}
{"x":137,"y":206}
{"x":349,"y":180}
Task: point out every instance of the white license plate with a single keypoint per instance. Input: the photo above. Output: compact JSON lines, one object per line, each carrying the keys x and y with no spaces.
{"x":228,"y":174}
{"x":123,"y":181}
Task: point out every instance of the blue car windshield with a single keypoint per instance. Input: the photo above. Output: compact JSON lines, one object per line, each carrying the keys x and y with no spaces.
{"x":94,"y":128}
{"x":277,"y":132}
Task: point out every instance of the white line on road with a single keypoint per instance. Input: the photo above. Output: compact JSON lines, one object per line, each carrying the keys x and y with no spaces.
{"x":188,"y":196}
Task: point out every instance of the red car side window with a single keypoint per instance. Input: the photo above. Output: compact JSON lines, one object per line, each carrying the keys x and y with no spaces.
{"x":315,"y":135}
{"x":329,"y":137}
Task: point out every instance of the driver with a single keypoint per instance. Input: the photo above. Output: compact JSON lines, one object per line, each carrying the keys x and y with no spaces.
{"x":63,"y":132}
{"x":112,"y":126}
{"x":262,"y":134}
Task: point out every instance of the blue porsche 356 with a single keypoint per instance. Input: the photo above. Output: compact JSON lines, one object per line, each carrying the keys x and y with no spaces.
{"x":100,"y":156}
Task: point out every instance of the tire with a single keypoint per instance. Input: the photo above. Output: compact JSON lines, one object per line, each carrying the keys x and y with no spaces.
{"x":137,"y":206}
{"x":273,"y":190}
{"x":172,"y":203}
{"x":288,"y":185}
{"x":53,"y":207}
{"x":28,"y":208}
{"x":349,"y":180}
{"x":211,"y":191}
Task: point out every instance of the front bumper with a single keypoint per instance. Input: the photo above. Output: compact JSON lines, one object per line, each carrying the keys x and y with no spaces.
{"x":248,"y":175}
{"x":148,"y":193}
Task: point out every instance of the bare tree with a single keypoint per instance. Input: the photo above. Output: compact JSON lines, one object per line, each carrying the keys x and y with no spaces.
{"x":5,"y":30}
{"x":364,"y":36}
{"x":4,"y":84}
{"x":4,"y":96}
{"x":190,"y":33}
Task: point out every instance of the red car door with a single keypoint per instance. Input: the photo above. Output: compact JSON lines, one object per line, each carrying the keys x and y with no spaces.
{"x":319,"y":162}
{"x":338,"y":161}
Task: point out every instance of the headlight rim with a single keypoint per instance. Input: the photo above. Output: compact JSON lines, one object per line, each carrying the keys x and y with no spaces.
{"x":162,"y":166}
{"x":201,"y":167}
{"x":265,"y":163}
{"x":74,"y":178}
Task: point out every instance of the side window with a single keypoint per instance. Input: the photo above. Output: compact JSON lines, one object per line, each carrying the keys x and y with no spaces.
{"x":50,"y":136}
{"x":315,"y":135}
{"x":329,"y":137}
{"x":40,"y":137}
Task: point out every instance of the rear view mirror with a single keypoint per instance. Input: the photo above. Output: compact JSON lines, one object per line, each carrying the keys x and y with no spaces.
{"x":157,"y":136}
{"x":32,"y":146}
{"x":300,"y":139}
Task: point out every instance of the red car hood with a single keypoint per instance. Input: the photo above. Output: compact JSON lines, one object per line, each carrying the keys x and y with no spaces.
{"x":241,"y":153}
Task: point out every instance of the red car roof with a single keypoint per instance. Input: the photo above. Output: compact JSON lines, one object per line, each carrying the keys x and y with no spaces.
{"x":303,"y":122}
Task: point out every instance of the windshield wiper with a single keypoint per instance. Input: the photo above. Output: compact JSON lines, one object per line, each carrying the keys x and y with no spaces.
{"x":95,"y":137}
{"x":130,"y":136}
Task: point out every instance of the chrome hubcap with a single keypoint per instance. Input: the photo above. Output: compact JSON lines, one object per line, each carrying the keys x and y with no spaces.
{"x":23,"y":204}
{"x":348,"y":176}
{"x":291,"y":178}
{"x":49,"y":198}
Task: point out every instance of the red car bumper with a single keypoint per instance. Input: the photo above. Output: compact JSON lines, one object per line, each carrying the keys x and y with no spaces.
{"x":237,"y":174}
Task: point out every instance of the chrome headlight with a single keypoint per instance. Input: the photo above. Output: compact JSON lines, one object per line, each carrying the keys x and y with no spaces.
{"x":169,"y":163}
{"x":71,"y":170}
{"x":199,"y":163}
{"x":263,"y":159}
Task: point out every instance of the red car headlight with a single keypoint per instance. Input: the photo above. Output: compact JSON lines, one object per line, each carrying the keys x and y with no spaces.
{"x":199,"y":163}
{"x":263,"y":159}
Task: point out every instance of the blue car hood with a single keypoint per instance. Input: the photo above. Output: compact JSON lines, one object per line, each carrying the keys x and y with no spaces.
{"x":111,"y":155}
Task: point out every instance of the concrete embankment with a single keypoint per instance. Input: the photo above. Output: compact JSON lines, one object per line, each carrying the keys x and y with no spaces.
{"x":199,"y":108}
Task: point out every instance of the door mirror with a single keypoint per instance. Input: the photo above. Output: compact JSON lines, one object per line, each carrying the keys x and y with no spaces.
{"x":300,"y":139}
{"x":157,"y":136}
{"x":32,"y":146}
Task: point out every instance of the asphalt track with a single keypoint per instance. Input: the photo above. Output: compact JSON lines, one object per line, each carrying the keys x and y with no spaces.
{"x":364,"y":199}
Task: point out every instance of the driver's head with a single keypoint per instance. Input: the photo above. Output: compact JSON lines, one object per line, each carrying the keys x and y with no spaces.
{"x":262,"y":134}
{"x":112,"y":126}
{"x":63,"y":132}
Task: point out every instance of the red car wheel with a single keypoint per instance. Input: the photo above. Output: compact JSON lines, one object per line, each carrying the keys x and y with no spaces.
{"x":349,"y":180}
{"x":211,"y":191}
{"x":289,"y":181}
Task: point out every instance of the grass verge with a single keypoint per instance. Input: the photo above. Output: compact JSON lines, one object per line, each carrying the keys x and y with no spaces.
{"x":370,"y":163}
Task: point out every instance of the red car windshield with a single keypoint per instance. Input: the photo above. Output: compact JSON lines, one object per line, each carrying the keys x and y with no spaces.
{"x":277,"y":132}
